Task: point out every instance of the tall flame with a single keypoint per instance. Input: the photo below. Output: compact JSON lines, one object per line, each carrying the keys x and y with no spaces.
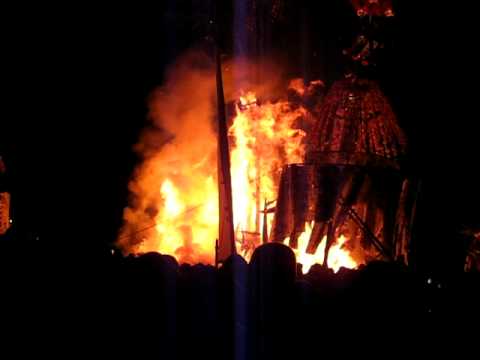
{"x":176,"y":184}
{"x":265,"y":138}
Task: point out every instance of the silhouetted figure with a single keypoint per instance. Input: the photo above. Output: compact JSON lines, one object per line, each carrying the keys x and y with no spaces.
{"x":324,"y":300}
{"x":233,"y":301}
{"x":304,"y":308}
{"x":271,"y":280}
{"x":154,"y":290}
{"x":198,"y":311}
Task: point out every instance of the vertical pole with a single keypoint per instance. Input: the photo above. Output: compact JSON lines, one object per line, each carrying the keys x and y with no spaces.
{"x":226,"y":239}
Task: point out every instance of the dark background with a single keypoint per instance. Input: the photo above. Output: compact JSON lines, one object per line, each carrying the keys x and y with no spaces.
{"x":76,"y":79}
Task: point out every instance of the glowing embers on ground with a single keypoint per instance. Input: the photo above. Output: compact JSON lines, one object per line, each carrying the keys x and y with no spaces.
{"x":338,"y":256}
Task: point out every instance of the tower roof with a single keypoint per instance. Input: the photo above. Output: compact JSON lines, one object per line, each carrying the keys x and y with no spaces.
{"x":356,"y":125}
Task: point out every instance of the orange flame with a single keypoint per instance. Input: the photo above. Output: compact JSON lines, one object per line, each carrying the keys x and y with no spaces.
{"x":338,"y":255}
{"x":248,"y":100}
{"x":263,"y":138}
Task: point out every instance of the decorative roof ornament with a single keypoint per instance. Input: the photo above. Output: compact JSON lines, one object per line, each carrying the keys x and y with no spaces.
{"x":373,"y":8}
{"x":363,"y":55}
{"x":356,"y":124}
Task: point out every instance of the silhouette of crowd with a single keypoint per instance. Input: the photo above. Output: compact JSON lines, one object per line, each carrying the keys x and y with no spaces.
{"x":150,"y":306}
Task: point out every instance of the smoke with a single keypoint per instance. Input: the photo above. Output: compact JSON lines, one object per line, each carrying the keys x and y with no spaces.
{"x":265,"y":77}
{"x":179,"y":146}
{"x":180,"y":134}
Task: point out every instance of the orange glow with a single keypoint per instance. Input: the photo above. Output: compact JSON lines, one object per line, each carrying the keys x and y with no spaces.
{"x":179,"y":182}
{"x":264,"y":139}
{"x":249,"y":99}
{"x":297,"y":85}
{"x":338,"y":255}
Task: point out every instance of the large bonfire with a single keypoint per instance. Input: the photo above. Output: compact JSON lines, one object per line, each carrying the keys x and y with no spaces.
{"x":174,"y":203}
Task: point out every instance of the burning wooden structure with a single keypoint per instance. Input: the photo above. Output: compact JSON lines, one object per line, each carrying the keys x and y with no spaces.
{"x":329,"y":168}
{"x":349,"y":191}
{"x":350,"y":183}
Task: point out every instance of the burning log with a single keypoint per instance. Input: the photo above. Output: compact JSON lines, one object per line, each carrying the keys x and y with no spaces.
{"x":292,"y":204}
{"x":266,"y":210}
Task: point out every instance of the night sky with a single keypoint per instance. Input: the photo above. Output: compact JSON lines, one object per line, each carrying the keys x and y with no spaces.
{"x":75,"y":85}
